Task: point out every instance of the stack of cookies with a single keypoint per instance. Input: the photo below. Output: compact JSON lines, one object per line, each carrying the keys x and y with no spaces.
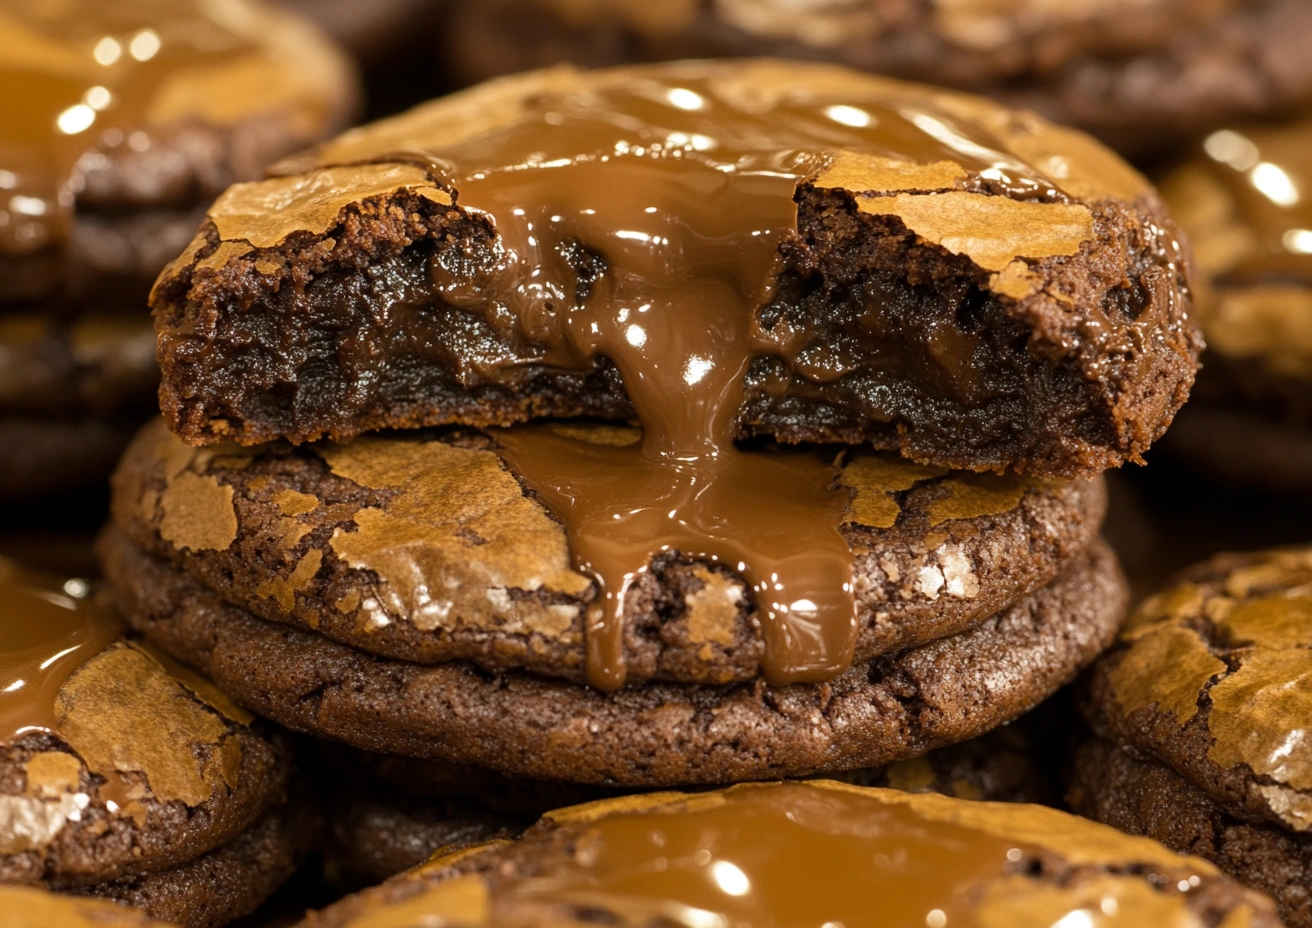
{"x":1201,"y":717}
{"x":121,"y":122}
{"x":124,"y":775}
{"x":675,"y":425}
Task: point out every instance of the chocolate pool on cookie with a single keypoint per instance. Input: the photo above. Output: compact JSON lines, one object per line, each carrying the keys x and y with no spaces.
{"x":807,"y":853}
{"x":127,"y":776}
{"x":401,"y":811}
{"x":1201,"y":714}
{"x":1243,"y":197}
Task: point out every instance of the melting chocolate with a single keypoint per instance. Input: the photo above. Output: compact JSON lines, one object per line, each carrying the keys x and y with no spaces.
{"x":642,"y":222}
{"x":49,"y":630}
{"x":801,"y":854}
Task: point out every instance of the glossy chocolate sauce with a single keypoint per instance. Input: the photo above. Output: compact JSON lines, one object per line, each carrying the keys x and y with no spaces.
{"x":641,"y":223}
{"x":49,"y":630}
{"x":1269,"y":173}
{"x":790,"y":854}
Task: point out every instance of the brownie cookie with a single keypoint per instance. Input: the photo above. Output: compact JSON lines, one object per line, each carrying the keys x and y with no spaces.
{"x":354,"y":541}
{"x":1211,"y":680}
{"x":807,"y":853}
{"x":122,"y":122}
{"x":123,"y":773}
{"x":883,"y":710}
{"x":1142,"y":797}
{"x":1139,"y":73}
{"x":410,"y":809}
{"x":1243,"y":200}
{"x":884,"y":263}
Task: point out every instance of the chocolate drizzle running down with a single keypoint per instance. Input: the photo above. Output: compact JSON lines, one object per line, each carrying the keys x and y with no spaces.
{"x":642,"y":223}
{"x":48,"y":629}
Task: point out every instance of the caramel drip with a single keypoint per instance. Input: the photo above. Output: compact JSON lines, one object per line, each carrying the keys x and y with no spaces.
{"x":788,"y":854}
{"x":80,"y":77}
{"x":642,"y":223}
{"x":1269,"y":173}
{"x":49,"y":629}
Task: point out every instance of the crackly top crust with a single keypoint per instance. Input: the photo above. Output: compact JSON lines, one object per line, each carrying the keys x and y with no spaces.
{"x":1214,"y":677}
{"x":427,"y":548}
{"x":137,"y":765}
{"x":1069,"y":243}
{"x":1047,"y":863}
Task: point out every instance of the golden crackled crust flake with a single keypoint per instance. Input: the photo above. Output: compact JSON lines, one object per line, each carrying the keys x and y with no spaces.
{"x":383,"y":159}
{"x":1237,"y":638}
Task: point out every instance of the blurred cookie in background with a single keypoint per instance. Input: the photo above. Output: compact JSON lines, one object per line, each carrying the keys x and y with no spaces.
{"x":120,"y":123}
{"x":1200,"y":718}
{"x":1245,"y":201}
{"x":391,"y":40}
{"x":1138,"y":73}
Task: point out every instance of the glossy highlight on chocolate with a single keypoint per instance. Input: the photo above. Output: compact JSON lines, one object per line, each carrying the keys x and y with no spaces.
{"x":642,"y":222}
{"x":48,"y":629}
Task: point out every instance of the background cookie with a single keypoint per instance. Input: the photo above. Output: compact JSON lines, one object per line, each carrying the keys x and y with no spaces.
{"x":1138,"y":74}
{"x":352,"y":540}
{"x":652,"y":735}
{"x":116,"y":763}
{"x":991,"y":349}
{"x":970,"y":862}
{"x":124,"y":121}
{"x":1142,"y":797}
{"x":1210,"y":681}
{"x":1242,"y":199}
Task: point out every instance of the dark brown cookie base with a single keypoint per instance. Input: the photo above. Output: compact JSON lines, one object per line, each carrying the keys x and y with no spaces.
{"x":660,"y":734}
{"x":1114,"y":786}
{"x":228,"y":882}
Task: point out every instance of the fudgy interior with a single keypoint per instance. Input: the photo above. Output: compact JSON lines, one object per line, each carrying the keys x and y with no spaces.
{"x":903,"y":344}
